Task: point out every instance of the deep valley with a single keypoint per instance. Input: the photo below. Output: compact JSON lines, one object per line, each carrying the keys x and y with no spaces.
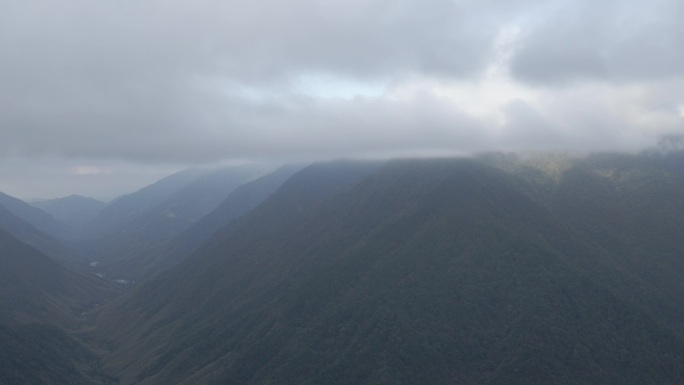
{"x":496,"y":269}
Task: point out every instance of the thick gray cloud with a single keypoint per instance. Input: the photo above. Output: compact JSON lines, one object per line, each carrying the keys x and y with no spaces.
{"x":94,"y":85}
{"x":609,"y":40}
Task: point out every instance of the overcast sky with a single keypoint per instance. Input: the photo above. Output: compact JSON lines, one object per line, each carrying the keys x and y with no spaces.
{"x":102,"y":97}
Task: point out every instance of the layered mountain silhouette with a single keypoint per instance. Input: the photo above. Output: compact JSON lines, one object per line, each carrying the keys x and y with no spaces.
{"x":425,"y":271}
{"x":126,"y":208}
{"x":38,"y":218}
{"x":498,"y":269}
{"x":135,"y":225}
{"x":240,"y":201}
{"x":28,"y":233}
{"x":74,"y":210}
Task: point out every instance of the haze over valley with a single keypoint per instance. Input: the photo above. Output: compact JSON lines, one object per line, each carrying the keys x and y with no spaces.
{"x":500,"y":268}
{"x":341,"y":192}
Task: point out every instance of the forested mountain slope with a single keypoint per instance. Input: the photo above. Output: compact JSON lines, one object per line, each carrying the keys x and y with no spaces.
{"x":42,"y":304}
{"x":44,"y":354}
{"x":35,"y":288}
{"x":425,"y":271}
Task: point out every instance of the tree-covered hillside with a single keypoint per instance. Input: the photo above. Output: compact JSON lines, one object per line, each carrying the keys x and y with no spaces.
{"x":498,"y":269}
{"x":425,"y":271}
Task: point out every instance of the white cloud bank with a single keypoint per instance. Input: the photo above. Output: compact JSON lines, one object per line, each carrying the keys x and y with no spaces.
{"x":112,"y":85}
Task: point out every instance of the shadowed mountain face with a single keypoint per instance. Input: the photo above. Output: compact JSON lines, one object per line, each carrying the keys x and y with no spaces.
{"x":425,"y":271}
{"x":502,"y":269}
{"x":28,"y":233}
{"x":34,"y":288}
{"x":41,"y":304}
{"x":44,"y":354}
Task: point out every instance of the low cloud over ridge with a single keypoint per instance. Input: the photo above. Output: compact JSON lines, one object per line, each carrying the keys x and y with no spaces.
{"x":181,"y":82}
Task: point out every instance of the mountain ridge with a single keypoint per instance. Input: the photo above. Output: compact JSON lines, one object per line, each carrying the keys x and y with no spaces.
{"x":73,"y":210}
{"x":33,"y":215}
{"x":498,"y":269}
{"x":357,"y":288}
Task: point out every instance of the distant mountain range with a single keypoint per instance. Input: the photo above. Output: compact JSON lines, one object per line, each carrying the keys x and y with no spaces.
{"x":74,"y":210}
{"x":34,"y":216}
{"x":498,"y":269}
{"x":26,"y":232}
{"x":136,"y":225}
{"x":240,"y":201}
